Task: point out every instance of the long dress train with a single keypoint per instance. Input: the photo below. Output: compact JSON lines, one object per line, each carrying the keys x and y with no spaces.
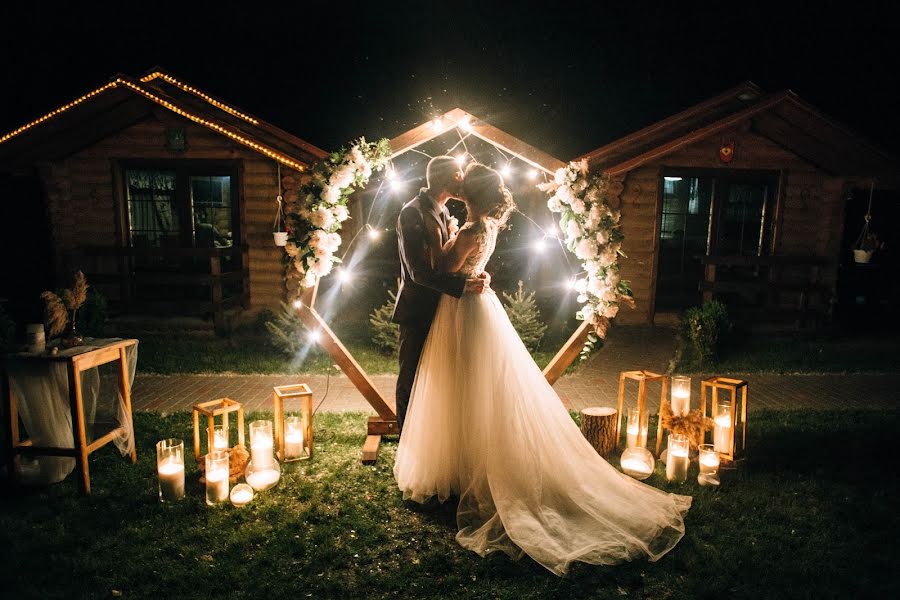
{"x":484,"y":425}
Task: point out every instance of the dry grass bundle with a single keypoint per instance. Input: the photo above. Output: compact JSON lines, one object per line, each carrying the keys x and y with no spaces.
{"x":691,"y":425}
{"x":57,"y":310}
{"x":238,"y":457}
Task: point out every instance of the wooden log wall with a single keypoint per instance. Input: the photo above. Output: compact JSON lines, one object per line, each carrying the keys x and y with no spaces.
{"x":809,"y":217}
{"x":83,"y":207}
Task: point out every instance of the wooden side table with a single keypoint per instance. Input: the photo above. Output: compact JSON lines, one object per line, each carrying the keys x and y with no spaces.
{"x":77,"y":360}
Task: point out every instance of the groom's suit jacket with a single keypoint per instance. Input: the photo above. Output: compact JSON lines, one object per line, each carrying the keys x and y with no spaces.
{"x":421,"y":285}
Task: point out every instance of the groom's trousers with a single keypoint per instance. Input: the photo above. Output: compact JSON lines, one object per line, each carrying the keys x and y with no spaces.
{"x":412,"y":340}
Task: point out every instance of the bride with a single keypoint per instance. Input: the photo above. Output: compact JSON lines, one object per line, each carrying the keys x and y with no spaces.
{"x":485,"y":426}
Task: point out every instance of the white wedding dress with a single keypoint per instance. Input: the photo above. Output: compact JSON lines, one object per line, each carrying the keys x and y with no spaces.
{"x":484,"y":425}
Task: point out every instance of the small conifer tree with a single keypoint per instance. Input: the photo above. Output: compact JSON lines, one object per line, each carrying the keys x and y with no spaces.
{"x":385,"y":333}
{"x":525,"y":317}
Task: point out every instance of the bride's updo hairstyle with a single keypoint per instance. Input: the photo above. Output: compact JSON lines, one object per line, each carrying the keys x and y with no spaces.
{"x":486,"y":193}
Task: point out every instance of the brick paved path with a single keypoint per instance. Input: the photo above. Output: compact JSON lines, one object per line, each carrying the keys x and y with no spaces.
{"x":595,"y":384}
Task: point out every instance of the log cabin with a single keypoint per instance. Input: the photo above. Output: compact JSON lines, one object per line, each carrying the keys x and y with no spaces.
{"x":744,"y":198}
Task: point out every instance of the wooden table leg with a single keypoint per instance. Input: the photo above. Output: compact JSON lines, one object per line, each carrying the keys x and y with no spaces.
{"x":11,"y":425}
{"x":80,"y":439}
{"x":124,"y":389}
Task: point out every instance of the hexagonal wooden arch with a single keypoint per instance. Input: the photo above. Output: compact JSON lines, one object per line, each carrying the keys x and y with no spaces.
{"x":386,"y":421}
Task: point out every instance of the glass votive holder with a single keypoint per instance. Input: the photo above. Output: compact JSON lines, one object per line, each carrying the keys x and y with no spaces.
{"x":708,"y":459}
{"x":293,"y":438}
{"x":262,"y":444}
{"x":216,"y":477}
{"x":170,"y":469}
{"x":636,"y":431}
{"x":637,"y":462}
{"x":241,"y":494}
{"x":220,"y":438}
{"x":681,"y":395}
{"x":723,"y":430}
{"x":677,"y":459}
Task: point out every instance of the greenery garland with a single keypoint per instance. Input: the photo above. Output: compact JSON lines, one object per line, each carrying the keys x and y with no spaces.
{"x":593,"y":233}
{"x":314,"y":228}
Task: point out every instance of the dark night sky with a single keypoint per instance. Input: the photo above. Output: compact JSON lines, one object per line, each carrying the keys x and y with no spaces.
{"x":565,"y":79}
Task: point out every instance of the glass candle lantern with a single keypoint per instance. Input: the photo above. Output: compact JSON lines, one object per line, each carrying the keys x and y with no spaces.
{"x":729,"y":415}
{"x":636,"y":432}
{"x":677,"y":458}
{"x":217,"y":483}
{"x":220,"y":408}
{"x":637,"y":462}
{"x":708,"y":459}
{"x":170,"y":469}
{"x":681,"y":395}
{"x":636,"y":427}
{"x":292,"y":429}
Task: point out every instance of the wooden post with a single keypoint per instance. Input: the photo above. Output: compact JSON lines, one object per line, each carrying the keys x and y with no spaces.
{"x":568,"y":353}
{"x":598,"y":424}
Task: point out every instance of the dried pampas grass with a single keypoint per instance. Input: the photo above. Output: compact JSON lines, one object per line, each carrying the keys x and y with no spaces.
{"x":691,"y":425}
{"x":57,"y":310}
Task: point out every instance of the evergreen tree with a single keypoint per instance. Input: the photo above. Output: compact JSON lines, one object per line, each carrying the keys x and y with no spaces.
{"x":385,"y":334}
{"x":525,"y":317}
{"x":287,"y":330}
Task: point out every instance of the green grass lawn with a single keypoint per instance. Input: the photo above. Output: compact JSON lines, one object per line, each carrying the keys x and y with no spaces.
{"x":796,"y":353}
{"x":167,"y":354}
{"x":812,"y":514}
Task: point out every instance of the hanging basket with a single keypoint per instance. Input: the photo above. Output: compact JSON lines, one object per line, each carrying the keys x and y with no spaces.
{"x":862,"y":256}
{"x":280,"y":238}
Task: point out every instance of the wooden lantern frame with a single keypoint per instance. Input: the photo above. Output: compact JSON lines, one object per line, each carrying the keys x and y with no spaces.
{"x":281,"y":393}
{"x":386,"y":421}
{"x":642,"y":377}
{"x":734,"y":386}
{"x":213,"y":409}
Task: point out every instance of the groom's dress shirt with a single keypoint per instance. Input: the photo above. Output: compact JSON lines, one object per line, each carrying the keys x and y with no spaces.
{"x":421,"y":232}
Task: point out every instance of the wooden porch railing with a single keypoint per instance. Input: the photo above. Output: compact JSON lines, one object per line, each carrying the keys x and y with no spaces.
{"x":128,"y":277}
{"x":803,"y":277}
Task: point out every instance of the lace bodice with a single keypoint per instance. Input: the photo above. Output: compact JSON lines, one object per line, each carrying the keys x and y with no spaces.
{"x":486,"y":241}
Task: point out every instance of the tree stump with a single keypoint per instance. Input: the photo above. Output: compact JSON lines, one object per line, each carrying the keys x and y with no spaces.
{"x":598,"y":425}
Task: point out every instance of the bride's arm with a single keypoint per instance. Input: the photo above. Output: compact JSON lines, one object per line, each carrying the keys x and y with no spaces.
{"x":456,"y":250}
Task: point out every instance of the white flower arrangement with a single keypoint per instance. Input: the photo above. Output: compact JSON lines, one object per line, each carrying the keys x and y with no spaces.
{"x":313,"y":230}
{"x":592,"y":232}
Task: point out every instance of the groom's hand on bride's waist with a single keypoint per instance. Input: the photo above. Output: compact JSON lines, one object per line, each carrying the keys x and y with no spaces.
{"x":477,"y":285}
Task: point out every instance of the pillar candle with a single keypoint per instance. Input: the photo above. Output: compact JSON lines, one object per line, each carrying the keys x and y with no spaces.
{"x":171,"y":480}
{"x":722,"y":434}
{"x":677,"y":458}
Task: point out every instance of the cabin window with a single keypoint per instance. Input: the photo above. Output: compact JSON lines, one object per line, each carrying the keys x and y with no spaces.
{"x":718,"y":213}
{"x":182,"y":206}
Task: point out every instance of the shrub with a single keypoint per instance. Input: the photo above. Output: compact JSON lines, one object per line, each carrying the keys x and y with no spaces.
{"x":287,"y":331}
{"x":701,"y":327}
{"x":385,"y":333}
{"x":525,"y":317}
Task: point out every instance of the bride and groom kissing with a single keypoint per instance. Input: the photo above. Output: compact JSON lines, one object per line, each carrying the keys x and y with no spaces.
{"x":478,"y":420}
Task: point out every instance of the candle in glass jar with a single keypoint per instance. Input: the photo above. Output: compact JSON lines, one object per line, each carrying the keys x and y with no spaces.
{"x":293,"y":442}
{"x":261,"y":480}
{"x":636,"y":433}
{"x":677,"y":458}
{"x":635,"y":465}
{"x":681,"y":395}
{"x":722,"y":434}
{"x":241,"y":494}
{"x":171,"y":480}
{"x":709,"y":459}
{"x":170,"y":469}
{"x":216,"y":477}
{"x":262,"y":445}
{"x":220,"y":438}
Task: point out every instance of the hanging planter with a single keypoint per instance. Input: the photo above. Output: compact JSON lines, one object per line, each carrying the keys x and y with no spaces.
{"x":279,"y":234}
{"x":867,"y":242}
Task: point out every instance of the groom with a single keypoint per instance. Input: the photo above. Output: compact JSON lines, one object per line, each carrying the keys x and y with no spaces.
{"x":422,"y":232}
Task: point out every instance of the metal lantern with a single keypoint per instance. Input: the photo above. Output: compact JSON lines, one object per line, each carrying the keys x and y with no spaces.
{"x":293,"y":434}
{"x":641,"y":413}
{"x":212,"y":409}
{"x":729,"y":414}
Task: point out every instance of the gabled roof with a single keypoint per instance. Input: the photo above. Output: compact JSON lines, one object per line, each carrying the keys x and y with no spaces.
{"x":782,"y":117}
{"x":472,"y":125}
{"x":125,"y":100}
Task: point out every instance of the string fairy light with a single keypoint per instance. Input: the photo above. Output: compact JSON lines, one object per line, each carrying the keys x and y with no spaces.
{"x":220,"y":105}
